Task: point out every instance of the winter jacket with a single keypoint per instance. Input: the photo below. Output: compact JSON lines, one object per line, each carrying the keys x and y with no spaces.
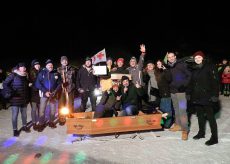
{"x":69,"y":73}
{"x":180,"y":77}
{"x":109,"y":99}
{"x":19,"y":84}
{"x":163,"y":80}
{"x":131,"y":97}
{"x":226,"y":78}
{"x":48,"y":82}
{"x":86,"y":80}
{"x":136,"y":72}
{"x":34,"y":92}
{"x":204,"y":84}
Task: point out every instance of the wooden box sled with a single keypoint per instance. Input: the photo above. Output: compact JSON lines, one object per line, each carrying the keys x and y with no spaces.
{"x":84,"y":123}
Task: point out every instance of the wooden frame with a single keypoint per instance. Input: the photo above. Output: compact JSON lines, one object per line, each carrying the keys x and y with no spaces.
{"x":84,"y":123}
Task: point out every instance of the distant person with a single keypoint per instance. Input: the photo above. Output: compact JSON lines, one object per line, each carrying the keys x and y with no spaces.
{"x":19,"y":84}
{"x":204,"y":91}
{"x":221,"y":68}
{"x":226,"y":81}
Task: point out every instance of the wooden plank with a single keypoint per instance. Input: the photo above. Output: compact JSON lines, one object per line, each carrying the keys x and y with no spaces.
{"x":117,"y":76}
{"x":113,"y":124}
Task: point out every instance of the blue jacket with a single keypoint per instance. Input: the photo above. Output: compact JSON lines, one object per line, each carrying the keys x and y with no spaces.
{"x":48,"y":81}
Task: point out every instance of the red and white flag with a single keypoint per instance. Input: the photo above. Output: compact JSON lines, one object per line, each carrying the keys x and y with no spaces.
{"x":99,"y":57}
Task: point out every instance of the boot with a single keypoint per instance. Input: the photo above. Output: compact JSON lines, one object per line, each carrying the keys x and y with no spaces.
{"x":175,"y":128}
{"x":198,"y":136}
{"x":40,"y":127}
{"x":184,"y":135}
{"x":26,"y":129}
{"x":52,"y":125}
{"x":35,"y":126}
{"x":16,"y":133}
{"x":212,"y":141}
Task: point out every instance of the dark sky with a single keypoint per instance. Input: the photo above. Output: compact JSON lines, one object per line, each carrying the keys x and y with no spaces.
{"x":78,"y":30}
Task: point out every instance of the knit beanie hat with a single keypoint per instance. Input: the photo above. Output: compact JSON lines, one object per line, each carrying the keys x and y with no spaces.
{"x":198,"y":53}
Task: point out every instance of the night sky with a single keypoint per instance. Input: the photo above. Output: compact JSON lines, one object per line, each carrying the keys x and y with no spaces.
{"x":78,"y":30}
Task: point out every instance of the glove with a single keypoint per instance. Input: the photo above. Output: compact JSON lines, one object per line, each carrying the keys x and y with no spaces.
{"x":214,"y":99}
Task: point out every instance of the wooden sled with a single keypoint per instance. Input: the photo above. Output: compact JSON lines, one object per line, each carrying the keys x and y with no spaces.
{"x":85,"y":124}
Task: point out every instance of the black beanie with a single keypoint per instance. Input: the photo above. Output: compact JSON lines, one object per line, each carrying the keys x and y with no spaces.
{"x":34,"y":62}
{"x":21,"y":65}
{"x":124,"y":78}
{"x":48,"y":61}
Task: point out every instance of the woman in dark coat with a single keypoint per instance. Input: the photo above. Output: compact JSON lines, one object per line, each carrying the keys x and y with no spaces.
{"x":19,"y":84}
{"x":35,"y":98}
{"x":204,"y":88}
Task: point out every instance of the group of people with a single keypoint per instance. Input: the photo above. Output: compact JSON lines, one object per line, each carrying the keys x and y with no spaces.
{"x":144,"y":86}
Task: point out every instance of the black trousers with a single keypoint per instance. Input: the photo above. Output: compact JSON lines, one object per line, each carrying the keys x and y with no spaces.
{"x":84,"y":100}
{"x":206,"y":113}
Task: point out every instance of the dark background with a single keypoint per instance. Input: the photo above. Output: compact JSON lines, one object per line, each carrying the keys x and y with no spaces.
{"x":83,"y":28}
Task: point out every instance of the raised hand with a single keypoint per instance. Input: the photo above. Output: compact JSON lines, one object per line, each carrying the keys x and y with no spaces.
{"x":137,"y":84}
{"x":142,"y":48}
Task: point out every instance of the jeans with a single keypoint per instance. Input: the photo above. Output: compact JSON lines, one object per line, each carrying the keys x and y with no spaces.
{"x":129,"y":110}
{"x":166,"y":107}
{"x":180,"y":106}
{"x":15,"y":111}
{"x":34,"y":112}
{"x":43,"y":103}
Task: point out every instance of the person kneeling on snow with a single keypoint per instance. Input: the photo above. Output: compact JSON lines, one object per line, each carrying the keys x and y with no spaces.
{"x":109,"y":104}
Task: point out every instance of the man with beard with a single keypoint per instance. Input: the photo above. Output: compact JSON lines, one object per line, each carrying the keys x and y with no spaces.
{"x":86,"y":84}
{"x":49,"y":83}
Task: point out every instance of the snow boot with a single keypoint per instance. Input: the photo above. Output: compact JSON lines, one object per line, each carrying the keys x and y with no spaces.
{"x":212,"y":141}
{"x":26,"y":129}
{"x":198,"y":136}
{"x":175,"y":128}
{"x":16,"y":133}
{"x":184,"y":135}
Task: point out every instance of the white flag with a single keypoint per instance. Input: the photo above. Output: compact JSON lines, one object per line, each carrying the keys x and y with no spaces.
{"x":99,"y":57}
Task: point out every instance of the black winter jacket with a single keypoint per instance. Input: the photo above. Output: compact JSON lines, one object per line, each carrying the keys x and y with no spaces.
{"x":204,"y":84}
{"x":20,"y":86}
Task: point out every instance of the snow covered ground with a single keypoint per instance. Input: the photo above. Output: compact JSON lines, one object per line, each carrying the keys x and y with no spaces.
{"x":55,"y":146}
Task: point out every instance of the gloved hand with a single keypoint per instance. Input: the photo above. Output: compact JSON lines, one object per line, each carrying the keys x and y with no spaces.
{"x":214,"y":99}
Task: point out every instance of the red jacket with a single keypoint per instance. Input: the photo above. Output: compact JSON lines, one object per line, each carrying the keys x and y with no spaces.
{"x":225,"y":78}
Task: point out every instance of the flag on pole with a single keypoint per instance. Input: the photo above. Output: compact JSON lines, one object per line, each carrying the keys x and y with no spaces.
{"x":99,"y":57}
